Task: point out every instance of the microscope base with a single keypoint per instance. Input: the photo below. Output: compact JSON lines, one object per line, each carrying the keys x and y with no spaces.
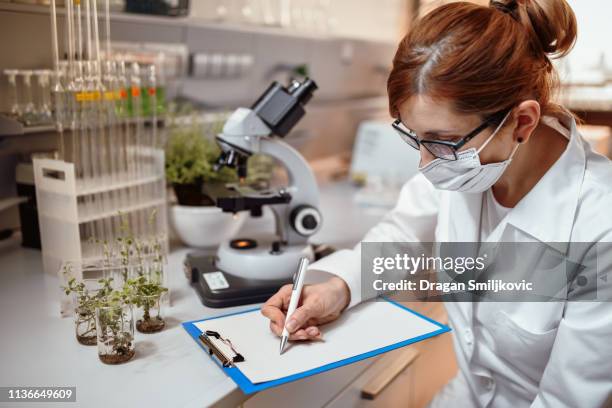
{"x":218,"y":289}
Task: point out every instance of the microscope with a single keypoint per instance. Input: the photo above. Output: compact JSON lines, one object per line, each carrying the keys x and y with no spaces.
{"x":249,"y":269}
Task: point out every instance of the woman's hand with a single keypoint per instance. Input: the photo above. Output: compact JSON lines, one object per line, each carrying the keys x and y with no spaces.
{"x":320,"y":304}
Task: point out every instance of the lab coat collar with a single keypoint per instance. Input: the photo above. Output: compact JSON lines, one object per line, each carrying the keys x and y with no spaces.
{"x":548,"y":211}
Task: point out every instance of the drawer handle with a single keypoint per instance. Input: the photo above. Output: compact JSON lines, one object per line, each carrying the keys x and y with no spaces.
{"x":390,"y":368}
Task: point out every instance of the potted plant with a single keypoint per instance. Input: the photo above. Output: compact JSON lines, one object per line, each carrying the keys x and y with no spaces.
{"x":103,"y":314}
{"x":190,"y":158}
{"x":146,"y":294}
{"x":87,"y":294}
{"x":104,"y":317}
{"x":115,"y":328}
{"x":142,"y":269}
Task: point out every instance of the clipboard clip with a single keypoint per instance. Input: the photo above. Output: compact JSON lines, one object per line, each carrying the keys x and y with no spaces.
{"x":227,"y":361}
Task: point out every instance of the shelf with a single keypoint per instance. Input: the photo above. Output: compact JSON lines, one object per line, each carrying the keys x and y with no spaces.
{"x":12,"y":127}
{"x":192,"y":21}
{"x":6,"y":203}
{"x":115,"y":15}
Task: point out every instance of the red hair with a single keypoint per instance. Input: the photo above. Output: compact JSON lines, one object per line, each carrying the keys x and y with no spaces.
{"x":484,"y":59}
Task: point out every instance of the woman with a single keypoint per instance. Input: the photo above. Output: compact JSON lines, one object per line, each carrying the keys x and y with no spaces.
{"x":511,"y":167}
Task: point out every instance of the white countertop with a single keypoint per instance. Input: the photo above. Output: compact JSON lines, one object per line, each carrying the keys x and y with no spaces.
{"x":38,"y":348}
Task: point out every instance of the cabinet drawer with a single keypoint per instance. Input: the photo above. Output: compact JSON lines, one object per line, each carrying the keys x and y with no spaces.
{"x":314,"y":391}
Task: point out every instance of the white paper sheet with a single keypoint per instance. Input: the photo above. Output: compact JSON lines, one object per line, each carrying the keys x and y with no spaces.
{"x":368,"y":327}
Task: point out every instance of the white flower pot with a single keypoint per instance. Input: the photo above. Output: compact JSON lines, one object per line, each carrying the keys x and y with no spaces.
{"x":204,"y":227}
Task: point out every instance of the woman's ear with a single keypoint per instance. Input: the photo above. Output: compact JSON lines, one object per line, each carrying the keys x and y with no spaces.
{"x":527,"y":115}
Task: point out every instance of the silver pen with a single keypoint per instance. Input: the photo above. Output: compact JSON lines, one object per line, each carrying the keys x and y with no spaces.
{"x":296,"y":293}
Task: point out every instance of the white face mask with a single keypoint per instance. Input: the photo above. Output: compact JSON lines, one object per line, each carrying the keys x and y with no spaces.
{"x":467,"y":174}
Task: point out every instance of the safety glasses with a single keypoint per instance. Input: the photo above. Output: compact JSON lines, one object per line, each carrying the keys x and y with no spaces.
{"x":443,"y":149}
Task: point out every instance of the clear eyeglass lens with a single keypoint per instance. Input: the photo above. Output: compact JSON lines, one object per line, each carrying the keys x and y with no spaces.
{"x":407,"y":135}
{"x":441,"y":151}
{"x":409,"y":140}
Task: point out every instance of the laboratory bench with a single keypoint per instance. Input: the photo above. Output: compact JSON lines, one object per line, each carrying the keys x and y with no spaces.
{"x":38,"y":347}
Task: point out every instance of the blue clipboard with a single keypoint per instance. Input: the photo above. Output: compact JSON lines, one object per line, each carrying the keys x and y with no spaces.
{"x":249,"y":388}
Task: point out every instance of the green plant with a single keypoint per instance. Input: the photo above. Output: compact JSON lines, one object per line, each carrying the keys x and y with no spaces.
{"x":139,"y":264}
{"x":115,"y":330}
{"x":145,"y":289}
{"x":191,"y":155}
{"x":190,"y":158}
{"x":146,"y":293}
{"x":86,"y":301}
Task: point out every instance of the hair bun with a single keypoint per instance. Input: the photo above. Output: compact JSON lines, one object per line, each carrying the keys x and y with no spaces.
{"x":508,"y":7}
{"x":551,"y":24}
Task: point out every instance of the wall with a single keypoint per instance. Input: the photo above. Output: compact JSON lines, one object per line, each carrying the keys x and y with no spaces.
{"x":381,"y":20}
{"x":594,"y":36}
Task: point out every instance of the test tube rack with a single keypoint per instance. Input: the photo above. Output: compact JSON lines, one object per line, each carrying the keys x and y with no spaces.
{"x":72,"y":210}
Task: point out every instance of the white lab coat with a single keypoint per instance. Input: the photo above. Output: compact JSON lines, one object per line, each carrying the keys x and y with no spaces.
{"x":517,"y":354}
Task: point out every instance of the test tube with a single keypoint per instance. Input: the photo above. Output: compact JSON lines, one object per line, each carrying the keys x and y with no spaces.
{"x":28,"y":114}
{"x":152,"y":96}
{"x":70,"y":35}
{"x":91,"y":160}
{"x":79,"y":98}
{"x":106,"y":130}
{"x":128,"y":138}
{"x":59,"y":112}
{"x":135,"y":95}
{"x":114,"y":99}
{"x":88,"y":165}
{"x":59,"y":96}
{"x":13,"y":95}
{"x":96,"y":31}
{"x":115,"y":139}
{"x":79,"y":28}
{"x":43,"y":111}
{"x":107,"y":25}
{"x":156,"y":191}
{"x":121,"y":106}
{"x":136,"y":105}
{"x":160,"y":94}
{"x":73,"y":96}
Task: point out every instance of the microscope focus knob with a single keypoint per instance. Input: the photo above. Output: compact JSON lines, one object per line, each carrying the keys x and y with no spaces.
{"x":310,"y":222}
{"x":305,"y":219}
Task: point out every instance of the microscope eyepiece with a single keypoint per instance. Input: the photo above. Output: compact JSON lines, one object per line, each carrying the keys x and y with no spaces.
{"x":303,"y":92}
{"x":281,"y":108}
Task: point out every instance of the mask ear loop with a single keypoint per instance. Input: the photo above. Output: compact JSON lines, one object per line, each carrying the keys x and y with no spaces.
{"x":494,"y":133}
{"x":514,"y":150}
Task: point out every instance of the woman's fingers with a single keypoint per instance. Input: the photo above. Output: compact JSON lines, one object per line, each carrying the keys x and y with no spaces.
{"x":313,"y":331}
{"x":273,"y":312}
{"x":280,"y":299}
{"x":304,"y":323}
{"x":274,"y":308}
{"x":276,"y":328}
{"x":309,"y":333}
{"x":299,"y":335}
{"x":300,"y":317}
